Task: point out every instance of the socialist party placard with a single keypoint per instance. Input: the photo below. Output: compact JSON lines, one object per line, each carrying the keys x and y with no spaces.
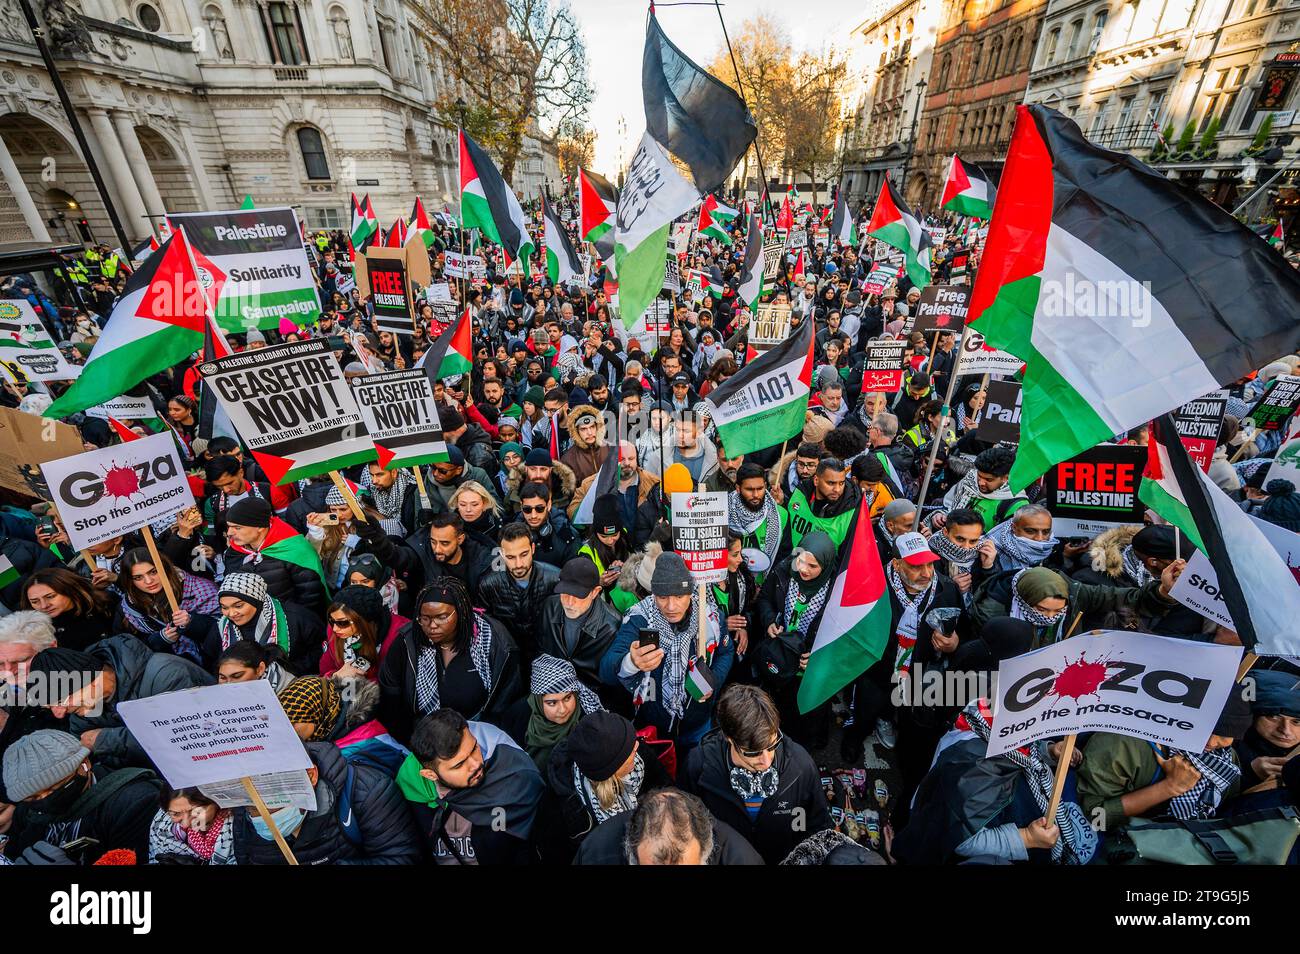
{"x":1198,"y":423}
{"x":941,"y":308}
{"x":26,"y":345}
{"x":293,"y":408}
{"x":1163,"y":689}
{"x":390,"y":295}
{"x":883,"y":370}
{"x":260,"y":252}
{"x":1096,"y":490}
{"x":401,"y":417}
{"x":105,"y":493}
{"x":700,"y":534}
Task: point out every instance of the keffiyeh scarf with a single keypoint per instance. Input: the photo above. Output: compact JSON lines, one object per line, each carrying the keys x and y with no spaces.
{"x":624,"y":801}
{"x":1219,"y":772}
{"x":744,"y":521}
{"x":1022,"y":610}
{"x":1019,"y":553}
{"x":964,"y":557}
{"x":679,"y":648}
{"x":812,"y":606}
{"x":389,"y":501}
{"x":1135,"y":568}
{"x":909,"y":621}
{"x":754,"y":786}
{"x":553,"y":675}
{"x":270,"y":627}
{"x":427,"y":699}
{"x":1078,"y":841}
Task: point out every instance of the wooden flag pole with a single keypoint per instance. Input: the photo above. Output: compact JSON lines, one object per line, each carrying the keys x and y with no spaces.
{"x":1248,"y":660}
{"x":1063,"y":763}
{"x":419,"y":486}
{"x":348,"y":495}
{"x":149,"y":541}
{"x":265,"y":812}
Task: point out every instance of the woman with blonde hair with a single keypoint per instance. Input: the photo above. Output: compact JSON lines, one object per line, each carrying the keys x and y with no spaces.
{"x":478,"y":509}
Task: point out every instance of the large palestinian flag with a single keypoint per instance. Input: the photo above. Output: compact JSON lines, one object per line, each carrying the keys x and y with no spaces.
{"x":365,"y":224}
{"x":562,"y":262}
{"x":751,"y":266}
{"x":843,"y":227}
{"x":597,"y":207}
{"x":764,"y":403}
{"x":1116,"y":321}
{"x":156,"y":324}
{"x":714,"y":219}
{"x":968,"y":190}
{"x":1257,"y":586}
{"x":893,"y":223}
{"x":854,"y":629}
{"x":283,"y":543}
{"x":487,"y":203}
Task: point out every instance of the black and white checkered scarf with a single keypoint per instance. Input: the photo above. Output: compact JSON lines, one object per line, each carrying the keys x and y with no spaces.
{"x":1018,"y":553}
{"x":427,"y":699}
{"x":679,"y":647}
{"x":1022,"y":610}
{"x":1219,"y":772}
{"x":624,"y":801}
{"x":1135,"y":568}
{"x":388,"y":501}
{"x":812,"y":605}
{"x":553,"y":675}
{"x":744,"y":521}
{"x":964,"y":557}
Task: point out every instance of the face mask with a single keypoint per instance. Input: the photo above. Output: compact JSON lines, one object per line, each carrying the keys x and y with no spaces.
{"x":286,"y":819}
{"x":62,"y":798}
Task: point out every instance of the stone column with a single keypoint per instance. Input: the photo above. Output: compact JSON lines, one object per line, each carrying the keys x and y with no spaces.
{"x":128,"y":193}
{"x":139,"y":166}
{"x":26,"y":205}
{"x":197,"y":170}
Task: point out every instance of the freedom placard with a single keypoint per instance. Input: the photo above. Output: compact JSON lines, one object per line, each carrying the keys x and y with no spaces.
{"x":1276,"y":404}
{"x":1198,"y":584}
{"x":390,"y":295}
{"x":978,"y":358}
{"x":770,"y":325}
{"x":1166,"y":690}
{"x":883,"y":370}
{"x":1198,"y":423}
{"x":27,"y":346}
{"x":941,"y":308}
{"x":797,"y":239}
{"x":1000,"y":419}
{"x":266,"y":275}
{"x":105,"y":493}
{"x":438,"y":291}
{"x":700,"y":534}
{"x":401,"y":417}
{"x":293,"y":408}
{"x":1096,"y":490}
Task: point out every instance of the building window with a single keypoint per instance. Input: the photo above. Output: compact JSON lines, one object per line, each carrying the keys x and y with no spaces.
{"x":1072,"y":48}
{"x":1053,"y":41}
{"x":1098,"y":27}
{"x":326,"y":218}
{"x":284,"y":34}
{"x":148,"y":17}
{"x":313,"y":153}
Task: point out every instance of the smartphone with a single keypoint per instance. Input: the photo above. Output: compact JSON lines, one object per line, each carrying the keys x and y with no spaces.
{"x":332,"y":518}
{"x":46,"y":526}
{"x":79,"y":844}
{"x":648,"y":637}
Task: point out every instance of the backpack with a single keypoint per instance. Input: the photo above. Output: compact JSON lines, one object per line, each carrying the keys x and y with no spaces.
{"x":379,"y":756}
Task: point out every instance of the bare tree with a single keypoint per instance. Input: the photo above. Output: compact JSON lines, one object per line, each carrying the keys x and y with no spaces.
{"x":814,"y":112}
{"x":576,"y":146}
{"x":763,"y":57}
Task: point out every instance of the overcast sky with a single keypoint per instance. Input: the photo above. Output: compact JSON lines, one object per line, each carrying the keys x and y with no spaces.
{"x":615,"y":32}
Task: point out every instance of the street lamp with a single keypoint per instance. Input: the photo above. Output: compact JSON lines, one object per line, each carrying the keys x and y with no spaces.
{"x":461,"y":106}
{"x":911,"y":144}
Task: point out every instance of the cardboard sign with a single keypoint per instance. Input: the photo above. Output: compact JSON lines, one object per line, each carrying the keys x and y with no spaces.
{"x":883,"y":370}
{"x":27,"y":346}
{"x":682,"y":236}
{"x":107,"y":492}
{"x":1096,"y":490}
{"x":215,"y":733}
{"x":1276,"y":404}
{"x":293,"y":408}
{"x":999,"y":421}
{"x":979,"y":358}
{"x":1286,"y":464}
{"x":797,"y":239}
{"x":673,"y":276}
{"x":773,"y":259}
{"x":1166,"y":690}
{"x":879,"y":279}
{"x":700,"y":534}
{"x":401,"y":417}
{"x":124,"y":408}
{"x":770,"y":325}
{"x":937,"y":235}
{"x":941,"y":308}
{"x":438,"y":291}
{"x":822,"y":237}
{"x":1198,"y":423}
{"x":1198,"y":584}
{"x":390,"y":295}
{"x":458,"y":265}
{"x":26,"y":442}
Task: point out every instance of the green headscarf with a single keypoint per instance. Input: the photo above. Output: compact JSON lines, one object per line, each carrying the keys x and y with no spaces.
{"x":1039,"y":583}
{"x":414,"y":786}
{"x":542,"y":735}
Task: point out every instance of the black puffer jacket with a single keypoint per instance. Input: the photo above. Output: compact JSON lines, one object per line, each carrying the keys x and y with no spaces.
{"x":599,"y":627}
{"x":579,"y":820}
{"x":520,"y":608}
{"x":797,"y":810}
{"x":388,"y":834}
{"x":116,"y":811}
{"x":415,"y":563}
{"x":477,"y":448}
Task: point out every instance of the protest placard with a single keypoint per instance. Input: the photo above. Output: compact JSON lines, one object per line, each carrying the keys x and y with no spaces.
{"x":822,"y":237}
{"x":124,"y":408}
{"x":941,"y":308}
{"x":999,"y":421}
{"x":879,"y":279}
{"x":1166,"y":690}
{"x":390,"y":295}
{"x":770,"y":325}
{"x":700,"y":534}
{"x":438,"y":291}
{"x":773,"y":259}
{"x":1198,"y":423}
{"x":26,"y":345}
{"x":26,"y":442}
{"x":1096,"y":490}
{"x":797,"y":239}
{"x":672,"y":275}
{"x":113,"y":490}
{"x":682,"y":236}
{"x":1198,"y":584}
{"x":937,"y":235}
{"x":293,"y":409}
{"x":1286,"y":463}
{"x":267,"y":275}
{"x":400,"y":415}
{"x":459,"y":265}
{"x":978,"y":358}
{"x":883,"y":370}
{"x":1276,"y":404}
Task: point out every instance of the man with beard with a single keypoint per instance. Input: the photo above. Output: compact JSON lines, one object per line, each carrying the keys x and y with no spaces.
{"x":518,"y":591}
{"x":754,"y":514}
{"x":634,"y":486}
{"x":963,"y":545}
{"x":577,"y":625}
{"x":827,"y":503}
{"x":985,"y":488}
{"x":1025,"y":540}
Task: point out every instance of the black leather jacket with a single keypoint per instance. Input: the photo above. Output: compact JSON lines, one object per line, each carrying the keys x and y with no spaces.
{"x":599,"y":627}
{"x":519,"y":608}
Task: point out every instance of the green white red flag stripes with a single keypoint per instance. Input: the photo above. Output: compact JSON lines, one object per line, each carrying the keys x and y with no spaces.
{"x":751,"y":266}
{"x":284,"y":543}
{"x":452,"y":353}
{"x":562,"y":262}
{"x":765,"y":402}
{"x":419,"y":224}
{"x":854,"y":629}
{"x":968,"y":190}
{"x":1257,"y":586}
{"x":843,"y":227}
{"x":714,"y":219}
{"x":489,"y":204}
{"x":893,"y":223}
{"x":1116,"y":325}
{"x":365,"y":224}
{"x":597,"y":208}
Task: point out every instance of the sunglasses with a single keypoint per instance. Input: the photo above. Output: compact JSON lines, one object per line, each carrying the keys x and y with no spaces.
{"x":340,"y":623}
{"x":537,"y":508}
{"x":780,"y":736}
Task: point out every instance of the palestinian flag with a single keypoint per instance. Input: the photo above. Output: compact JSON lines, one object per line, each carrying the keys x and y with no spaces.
{"x":487,"y":203}
{"x":1257,"y":586}
{"x":714,"y":219}
{"x":751,"y":266}
{"x":893,"y":223}
{"x":764,"y":403}
{"x":452,"y":353}
{"x":597,"y":206}
{"x":1278,"y":238}
{"x":365,"y":225}
{"x":562,"y":262}
{"x":843,"y":228}
{"x":213,"y":419}
{"x":854,"y":629}
{"x":968,"y":190}
{"x":142,"y":251}
{"x":395,"y":237}
{"x":700,"y":680}
{"x":798,"y":274}
{"x":792,"y":195}
{"x":606,"y":482}
{"x":419,"y":224}
{"x":8,"y":572}
{"x":283,"y":543}
{"x":708,"y":284}
{"x":156,"y":324}
{"x":1116,"y":325}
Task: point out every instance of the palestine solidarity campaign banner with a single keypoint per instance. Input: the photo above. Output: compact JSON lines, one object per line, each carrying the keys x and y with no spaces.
{"x":400,"y":415}
{"x":293,"y":408}
{"x":25,"y":344}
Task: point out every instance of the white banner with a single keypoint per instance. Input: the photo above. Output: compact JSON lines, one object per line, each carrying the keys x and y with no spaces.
{"x":978,"y":358}
{"x":456,"y":265}
{"x":682,"y":237}
{"x":26,"y":345}
{"x":700,"y":534}
{"x":1198,"y":584}
{"x":438,"y":291}
{"x":124,"y":408}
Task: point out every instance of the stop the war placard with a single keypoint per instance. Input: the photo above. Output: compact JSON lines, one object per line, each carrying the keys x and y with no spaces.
{"x":260,"y":252}
{"x":390,"y":295}
{"x":293,"y":408}
{"x":1096,"y":490}
{"x":1198,"y":584}
{"x":978,"y":358}
{"x":941,"y":308}
{"x":700,"y":534}
{"x":1198,"y":423}
{"x":105,"y":493}
{"x":1277,"y":403}
{"x":1166,"y":690}
{"x":401,"y":417}
{"x":26,"y":345}
{"x":1000,"y":418}
{"x":883,"y":370}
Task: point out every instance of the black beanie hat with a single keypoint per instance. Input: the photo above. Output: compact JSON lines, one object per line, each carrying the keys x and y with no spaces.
{"x":368,"y":603}
{"x":605,"y":515}
{"x":250,"y":512}
{"x":1158,"y":542}
{"x":1282,"y":508}
{"x":600,"y":744}
{"x":1235,"y":718}
{"x":77,"y":669}
{"x":996,"y":461}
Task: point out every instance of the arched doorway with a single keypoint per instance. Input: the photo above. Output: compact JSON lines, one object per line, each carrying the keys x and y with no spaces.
{"x":55,"y":176}
{"x":67,"y":222}
{"x":170,"y":174}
